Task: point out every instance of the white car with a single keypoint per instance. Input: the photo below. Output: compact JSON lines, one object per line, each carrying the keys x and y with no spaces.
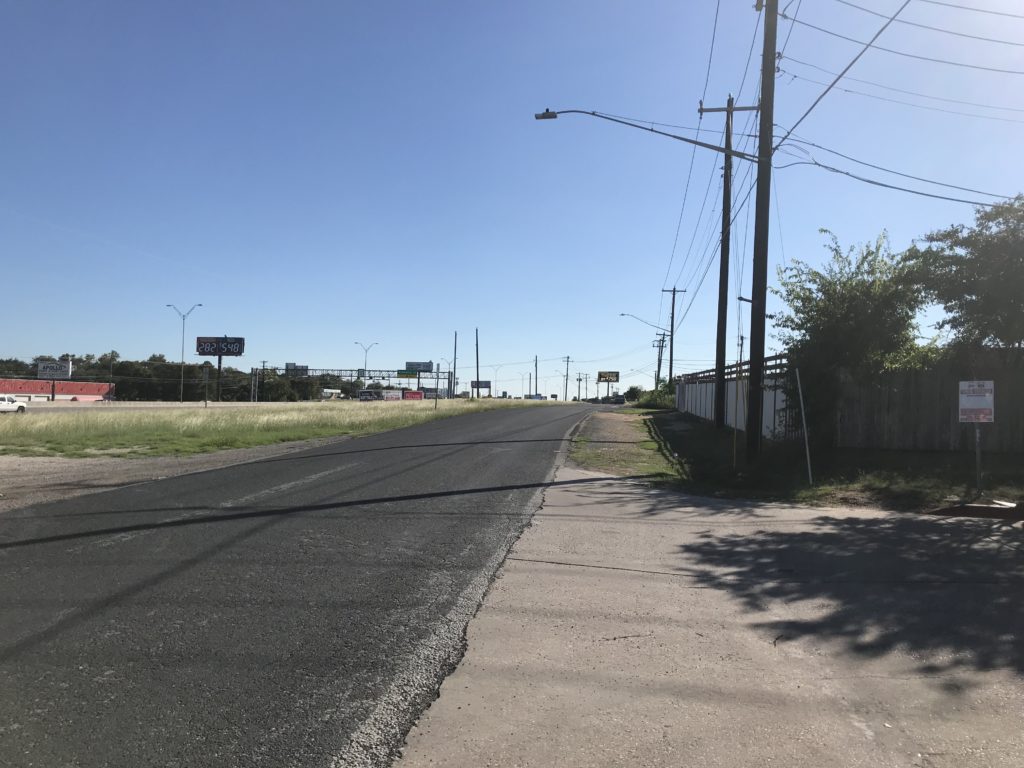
{"x":10,"y":404}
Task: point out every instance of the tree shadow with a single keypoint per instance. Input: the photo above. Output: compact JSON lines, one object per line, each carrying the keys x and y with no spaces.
{"x":944,"y":591}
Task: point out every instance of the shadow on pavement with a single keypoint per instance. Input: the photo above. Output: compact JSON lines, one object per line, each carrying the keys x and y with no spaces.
{"x":945,"y":591}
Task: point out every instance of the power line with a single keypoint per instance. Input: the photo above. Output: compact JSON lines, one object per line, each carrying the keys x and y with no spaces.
{"x":976,"y":10}
{"x":696,"y":225}
{"x":643,"y":122}
{"x":789,"y":32}
{"x":907,"y":103}
{"x":933,"y":29}
{"x":898,"y":173}
{"x":693,"y":156}
{"x":736,"y":212}
{"x":845,"y":69}
{"x":711,"y":52}
{"x":901,"y":90}
{"x":877,"y":183}
{"x":910,"y":55}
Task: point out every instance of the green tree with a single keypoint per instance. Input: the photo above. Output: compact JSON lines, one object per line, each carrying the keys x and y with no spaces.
{"x":977,"y":275}
{"x":853,"y":315}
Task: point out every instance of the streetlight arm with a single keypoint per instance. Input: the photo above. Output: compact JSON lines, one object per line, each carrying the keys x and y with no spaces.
{"x":626,"y":314}
{"x":548,"y":114}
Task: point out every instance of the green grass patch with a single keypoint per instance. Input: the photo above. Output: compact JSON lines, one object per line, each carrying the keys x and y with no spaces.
{"x":711,"y":462}
{"x":639,"y":455}
{"x":92,"y":431}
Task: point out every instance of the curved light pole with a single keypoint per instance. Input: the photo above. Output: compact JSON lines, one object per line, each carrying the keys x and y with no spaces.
{"x":660,"y":344}
{"x":184,"y":316}
{"x":449,"y":383}
{"x":658,"y":327}
{"x":366,"y":352}
{"x":763,"y":159}
{"x":494,"y":382}
{"x":549,"y":114}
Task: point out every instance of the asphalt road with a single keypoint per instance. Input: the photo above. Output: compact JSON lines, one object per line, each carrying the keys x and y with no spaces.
{"x":296,"y":611}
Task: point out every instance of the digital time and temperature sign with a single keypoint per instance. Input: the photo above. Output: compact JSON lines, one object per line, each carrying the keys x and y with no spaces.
{"x":220,"y":346}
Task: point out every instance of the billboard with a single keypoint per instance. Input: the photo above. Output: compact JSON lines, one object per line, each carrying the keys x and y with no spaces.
{"x":392,"y":394}
{"x":60,"y":369}
{"x":427,"y":367}
{"x":220,"y":346}
{"x":411,"y":394}
{"x":612,"y":377}
{"x":480,"y":384}
{"x":291,"y":369}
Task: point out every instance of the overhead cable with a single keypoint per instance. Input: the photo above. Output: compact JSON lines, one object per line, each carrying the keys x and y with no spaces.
{"x":897,"y":173}
{"x":912,"y":55}
{"x":930,"y":28}
{"x":877,"y":183}
{"x":976,"y":10}
{"x":909,"y":93}
{"x":693,"y":153}
{"x":846,"y":69}
{"x":905,"y":103}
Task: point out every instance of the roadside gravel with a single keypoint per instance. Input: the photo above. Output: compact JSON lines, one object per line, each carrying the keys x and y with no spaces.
{"x":25,"y":481}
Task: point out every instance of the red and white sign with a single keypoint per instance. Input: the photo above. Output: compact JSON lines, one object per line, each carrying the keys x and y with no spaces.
{"x":978,"y":401}
{"x":412,"y":394}
{"x":392,"y":394}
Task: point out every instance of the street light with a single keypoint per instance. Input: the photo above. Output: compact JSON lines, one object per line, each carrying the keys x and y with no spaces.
{"x":549,"y":114}
{"x":626,"y":314}
{"x":494,"y":382}
{"x":450,"y":384}
{"x":183,"y":315}
{"x":366,"y":352}
{"x":660,"y":344}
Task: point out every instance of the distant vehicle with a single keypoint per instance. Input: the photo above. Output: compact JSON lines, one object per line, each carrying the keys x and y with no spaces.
{"x":619,"y":400}
{"x":10,"y":404}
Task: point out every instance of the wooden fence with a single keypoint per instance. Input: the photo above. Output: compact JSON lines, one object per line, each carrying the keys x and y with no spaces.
{"x":919,"y":410}
{"x":904,"y":410}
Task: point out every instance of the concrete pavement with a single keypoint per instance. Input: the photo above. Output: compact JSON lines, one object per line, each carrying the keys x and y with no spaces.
{"x":632,"y":627}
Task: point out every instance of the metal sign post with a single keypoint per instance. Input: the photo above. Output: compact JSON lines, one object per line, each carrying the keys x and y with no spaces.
{"x":977,"y":406}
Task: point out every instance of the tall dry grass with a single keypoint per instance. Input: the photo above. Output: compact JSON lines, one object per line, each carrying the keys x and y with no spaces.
{"x":93,"y":431}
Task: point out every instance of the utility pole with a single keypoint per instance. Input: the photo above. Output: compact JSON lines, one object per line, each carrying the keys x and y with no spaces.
{"x":477,"y":387}
{"x":586,"y":385}
{"x":529,"y":380}
{"x":455,"y":366}
{"x":759,"y":290}
{"x":672,"y":330}
{"x":723,"y":265}
{"x":565,"y":395}
{"x":579,"y":382}
{"x":659,"y":343}
{"x":536,"y":378}
{"x":262,"y":369}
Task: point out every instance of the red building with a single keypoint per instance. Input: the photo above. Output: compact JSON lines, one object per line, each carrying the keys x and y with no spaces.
{"x":57,"y":390}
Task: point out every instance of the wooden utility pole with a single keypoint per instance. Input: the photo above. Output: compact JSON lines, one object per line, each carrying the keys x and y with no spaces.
{"x":477,"y":388}
{"x":672,"y":329}
{"x":723,"y":265}
{"x":759,"y":291}
{"x":660,"y":344}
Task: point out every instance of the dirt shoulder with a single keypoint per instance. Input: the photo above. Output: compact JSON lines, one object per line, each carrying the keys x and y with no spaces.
{"x":620,"y":443}
{"x":25,"y":481}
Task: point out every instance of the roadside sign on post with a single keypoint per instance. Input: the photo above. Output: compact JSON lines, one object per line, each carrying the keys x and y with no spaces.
{"x":977,"y":402}
{"x":977,"y":406}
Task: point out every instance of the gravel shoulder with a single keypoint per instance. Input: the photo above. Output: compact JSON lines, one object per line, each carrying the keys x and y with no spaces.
{"x":26,"y":481}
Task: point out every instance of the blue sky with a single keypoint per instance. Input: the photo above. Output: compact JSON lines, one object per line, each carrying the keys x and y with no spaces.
{"x":320,"y":173}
